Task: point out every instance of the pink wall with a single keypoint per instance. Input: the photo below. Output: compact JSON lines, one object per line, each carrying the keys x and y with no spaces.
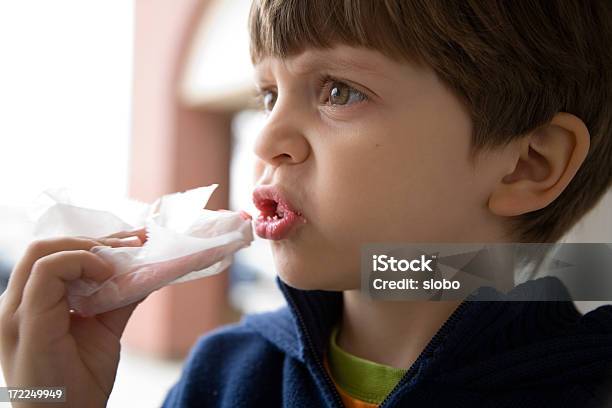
{"x":174,"y":149}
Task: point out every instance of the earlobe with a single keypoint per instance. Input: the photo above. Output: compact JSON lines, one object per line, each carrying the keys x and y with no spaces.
{"x":546,"y":161}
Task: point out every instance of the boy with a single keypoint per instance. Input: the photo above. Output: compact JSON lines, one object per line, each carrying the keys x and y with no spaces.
{"x":388,"y":121}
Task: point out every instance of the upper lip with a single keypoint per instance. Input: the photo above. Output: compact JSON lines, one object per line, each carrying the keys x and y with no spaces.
{"x":276,"y":193}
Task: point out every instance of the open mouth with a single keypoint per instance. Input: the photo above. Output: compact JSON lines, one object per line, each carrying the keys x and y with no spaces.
{"x":277,"y":217}
{"x":272,"y":210}
{"x":269,"y":210}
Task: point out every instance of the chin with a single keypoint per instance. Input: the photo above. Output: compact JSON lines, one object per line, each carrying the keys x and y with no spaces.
{"x":295,"y":274}
{"x":307,"y":264}
{"x":313,"y":274}
{"x":297,"y":280}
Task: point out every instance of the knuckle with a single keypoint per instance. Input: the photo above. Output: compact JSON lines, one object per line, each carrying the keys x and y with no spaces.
{"x":40,"y":266}
{"x":7,"y":326}
{"x":37,"y":247}
{"x":44,"y":247}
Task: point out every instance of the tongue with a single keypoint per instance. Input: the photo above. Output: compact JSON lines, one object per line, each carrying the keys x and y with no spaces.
{"x":268,"y":209}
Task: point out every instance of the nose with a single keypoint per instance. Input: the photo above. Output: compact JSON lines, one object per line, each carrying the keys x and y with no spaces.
{"x":282,"y":141}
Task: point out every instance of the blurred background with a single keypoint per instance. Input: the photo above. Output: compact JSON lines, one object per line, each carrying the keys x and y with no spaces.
{"x":140,"y":98}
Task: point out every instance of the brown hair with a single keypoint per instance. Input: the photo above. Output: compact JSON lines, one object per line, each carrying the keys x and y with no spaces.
{"x":515,"y":64}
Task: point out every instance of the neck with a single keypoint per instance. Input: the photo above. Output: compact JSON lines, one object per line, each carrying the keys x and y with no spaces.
{"x":392,"y":333}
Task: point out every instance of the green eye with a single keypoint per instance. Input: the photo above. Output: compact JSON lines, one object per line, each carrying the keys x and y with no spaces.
{"x":342,"y":94}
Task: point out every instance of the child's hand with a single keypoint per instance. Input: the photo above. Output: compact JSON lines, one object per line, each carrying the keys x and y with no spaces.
{"x":41,"y":342}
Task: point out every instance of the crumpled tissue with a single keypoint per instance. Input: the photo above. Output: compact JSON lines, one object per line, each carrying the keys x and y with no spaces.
{"x":184,"y":242}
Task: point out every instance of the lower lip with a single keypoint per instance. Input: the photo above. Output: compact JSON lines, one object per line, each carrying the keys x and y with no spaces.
{"x":277,"y":229}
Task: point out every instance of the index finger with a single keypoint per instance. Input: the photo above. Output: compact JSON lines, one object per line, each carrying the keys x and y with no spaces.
{"x":35,"y":251}
{"x":47,"y":283}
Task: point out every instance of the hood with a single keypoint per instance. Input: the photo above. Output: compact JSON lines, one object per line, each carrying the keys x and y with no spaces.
{"x":483,"y":344}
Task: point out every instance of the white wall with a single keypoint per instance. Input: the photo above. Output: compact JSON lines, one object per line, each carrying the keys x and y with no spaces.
{"x":65,"y":76}
{"x":65,"y":101}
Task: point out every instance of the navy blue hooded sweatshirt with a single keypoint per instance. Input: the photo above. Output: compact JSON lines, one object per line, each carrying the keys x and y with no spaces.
{"x":487,"y":354}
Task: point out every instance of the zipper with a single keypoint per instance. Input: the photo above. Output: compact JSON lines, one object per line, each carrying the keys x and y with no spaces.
{"x":312,"y":350}
{"x":435,"y":341}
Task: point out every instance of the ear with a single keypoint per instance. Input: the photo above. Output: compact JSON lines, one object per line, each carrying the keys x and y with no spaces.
{"x":546,"y":161}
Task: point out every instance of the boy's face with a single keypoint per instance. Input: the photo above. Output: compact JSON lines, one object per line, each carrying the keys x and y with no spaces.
{"x":368,"y":150}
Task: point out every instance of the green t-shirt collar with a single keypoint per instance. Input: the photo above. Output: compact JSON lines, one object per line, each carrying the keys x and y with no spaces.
{"x":360,"y":378}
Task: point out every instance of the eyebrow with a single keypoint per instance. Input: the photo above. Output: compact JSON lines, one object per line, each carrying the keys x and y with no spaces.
{"x":308,"y":63}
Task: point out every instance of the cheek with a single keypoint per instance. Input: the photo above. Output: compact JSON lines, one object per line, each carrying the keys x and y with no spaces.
{"x":406,"y":179}
{"x":358,"y":187}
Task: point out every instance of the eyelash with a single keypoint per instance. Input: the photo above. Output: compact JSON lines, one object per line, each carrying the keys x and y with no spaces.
{"x":321,"y":84}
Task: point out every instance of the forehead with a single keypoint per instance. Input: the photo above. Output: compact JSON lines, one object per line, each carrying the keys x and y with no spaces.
{"x":339,"y":58}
